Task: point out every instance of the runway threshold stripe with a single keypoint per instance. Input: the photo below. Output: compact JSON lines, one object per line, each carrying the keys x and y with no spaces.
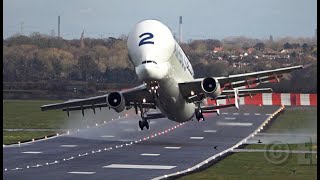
{"x":76,"y":172}
{"x":196,"y":137}
{"x":136,"y":166}
{"x":68,"y":145}
{"x":147,"y":154}
{"x":31,"y":152}
{"x":233,"y":124}
{"x":172,"y":147}
{"x":210,"y":131}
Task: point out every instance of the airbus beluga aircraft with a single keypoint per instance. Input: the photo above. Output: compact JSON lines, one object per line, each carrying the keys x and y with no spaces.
{"x":168,"y":82}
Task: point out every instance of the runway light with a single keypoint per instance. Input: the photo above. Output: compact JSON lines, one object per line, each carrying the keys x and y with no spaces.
{"x":144,"y":100}
{"x":119,"y":117}
{"x":126,"y":115}
{"x":32,"y":140}
{"x":111,"y":119}
{"x":57,"y":134}
{"x":104,"y":121}
{"x":206,"y":161}
{"x":47,"y":163}
{"x":64,"y":159}
{"x":5,"y":169}
{"x":68,"y":132}
{"x":27,"y":166}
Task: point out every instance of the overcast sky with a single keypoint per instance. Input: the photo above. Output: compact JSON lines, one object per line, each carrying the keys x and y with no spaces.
{"x":201,"y":18}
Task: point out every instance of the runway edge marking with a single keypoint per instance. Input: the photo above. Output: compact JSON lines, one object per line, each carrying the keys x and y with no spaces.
{"x":223,"y":152}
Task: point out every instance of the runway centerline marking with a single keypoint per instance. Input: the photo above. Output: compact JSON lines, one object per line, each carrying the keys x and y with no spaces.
{"x":31,"y":152}
{"x":78,"y":172}
{"x":233,"y":124}
{"x":148,"y":154}
{"x":235,"y":113}
{"x":210,"y":131}
{"x":224,"y":113}
{"x":137,"y":166}
{"x":257,"y":114}
{"x":246,"y":114}
{"x":229,"y":118}
{"x":68,"y":145}
{"x":172,"y":147}
{"x":268,"y":114}
{"x":196,"y":137}
{"x":107,"y":136}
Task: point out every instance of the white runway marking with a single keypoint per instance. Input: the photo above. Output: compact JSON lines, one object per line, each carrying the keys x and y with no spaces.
{"x":31,"y":152}
{"x":129,"y":130}
{"x":172,"y":147}
{"x":233,"y":124}
{"x":225,"y":113}
{"x":68,"y":145}
{"x":257,"y":114}
{"x":235,"y":113}
{"x":246,"y":114}
{"x":210,"y":131}
{"x":146,"y":154}
{"x":107,"y":136}
{"x":77,"y":172}
{"x":268,"y":114}
{"x":136,"y":166}
{"x":196,"y":137}
{"x":229,"y":118}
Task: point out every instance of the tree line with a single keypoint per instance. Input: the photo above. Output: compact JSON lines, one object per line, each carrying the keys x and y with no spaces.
{"x":42,"y":58}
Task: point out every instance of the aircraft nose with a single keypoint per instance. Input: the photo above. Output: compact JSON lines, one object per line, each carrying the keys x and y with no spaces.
{"x":150,"y":70}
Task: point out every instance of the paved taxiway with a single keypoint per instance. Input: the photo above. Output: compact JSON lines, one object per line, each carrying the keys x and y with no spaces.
{"x":119,"y":150}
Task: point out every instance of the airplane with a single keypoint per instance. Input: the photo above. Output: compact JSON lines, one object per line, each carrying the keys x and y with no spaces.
{"x":168,"y":82}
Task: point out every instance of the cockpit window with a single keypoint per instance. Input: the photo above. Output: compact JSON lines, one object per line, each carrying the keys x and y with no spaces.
{"x":144,"y":62}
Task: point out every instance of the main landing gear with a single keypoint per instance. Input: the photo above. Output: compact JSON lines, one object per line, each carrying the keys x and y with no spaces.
{"x":199,"y":115}
{"x":144,"y":122}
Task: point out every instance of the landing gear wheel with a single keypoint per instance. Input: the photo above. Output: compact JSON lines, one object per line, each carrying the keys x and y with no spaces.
{"x":199,"y":115}
{"x":141,"y":125}
{"x":147,"y":124}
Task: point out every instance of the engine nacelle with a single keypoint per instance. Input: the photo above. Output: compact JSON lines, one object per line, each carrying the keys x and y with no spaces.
{"x":211,"y":87}
{"x":115,"y":100}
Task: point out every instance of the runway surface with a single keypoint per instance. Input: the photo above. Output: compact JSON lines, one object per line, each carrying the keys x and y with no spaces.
{"x":119,"y":150}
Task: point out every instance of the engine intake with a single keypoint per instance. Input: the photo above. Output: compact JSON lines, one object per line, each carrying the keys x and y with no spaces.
{"x":116,"y":101}
{"x":211,"y":87}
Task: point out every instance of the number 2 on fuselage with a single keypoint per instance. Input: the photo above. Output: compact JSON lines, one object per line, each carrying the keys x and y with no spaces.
{"x":146,"y":38}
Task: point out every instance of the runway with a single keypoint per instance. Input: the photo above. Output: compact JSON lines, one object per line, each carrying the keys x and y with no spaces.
{"x":119,"y":150}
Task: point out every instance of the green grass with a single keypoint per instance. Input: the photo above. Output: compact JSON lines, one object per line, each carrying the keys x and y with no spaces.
{"x":10,"y":137}
{"x":256,"y":166}
{"x":26,"y":114}
{"x":295,"y":120}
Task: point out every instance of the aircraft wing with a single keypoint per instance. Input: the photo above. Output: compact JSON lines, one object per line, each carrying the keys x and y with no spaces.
{"x":134,"y":96}
{"x":240,"y":81}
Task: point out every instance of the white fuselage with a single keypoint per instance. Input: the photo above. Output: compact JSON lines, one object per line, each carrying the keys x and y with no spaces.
{"x":161,"y":64}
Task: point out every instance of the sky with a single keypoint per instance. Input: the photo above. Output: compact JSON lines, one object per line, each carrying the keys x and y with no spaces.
{"x":202,"y":19}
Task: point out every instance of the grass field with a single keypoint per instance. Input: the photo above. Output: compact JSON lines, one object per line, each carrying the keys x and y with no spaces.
{"x":256,"y":166}
{"x":26,"y":114}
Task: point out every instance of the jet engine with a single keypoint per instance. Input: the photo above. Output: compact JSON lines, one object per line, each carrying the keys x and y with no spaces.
{"x":211,"y":87}
{"x":115,"y":100}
